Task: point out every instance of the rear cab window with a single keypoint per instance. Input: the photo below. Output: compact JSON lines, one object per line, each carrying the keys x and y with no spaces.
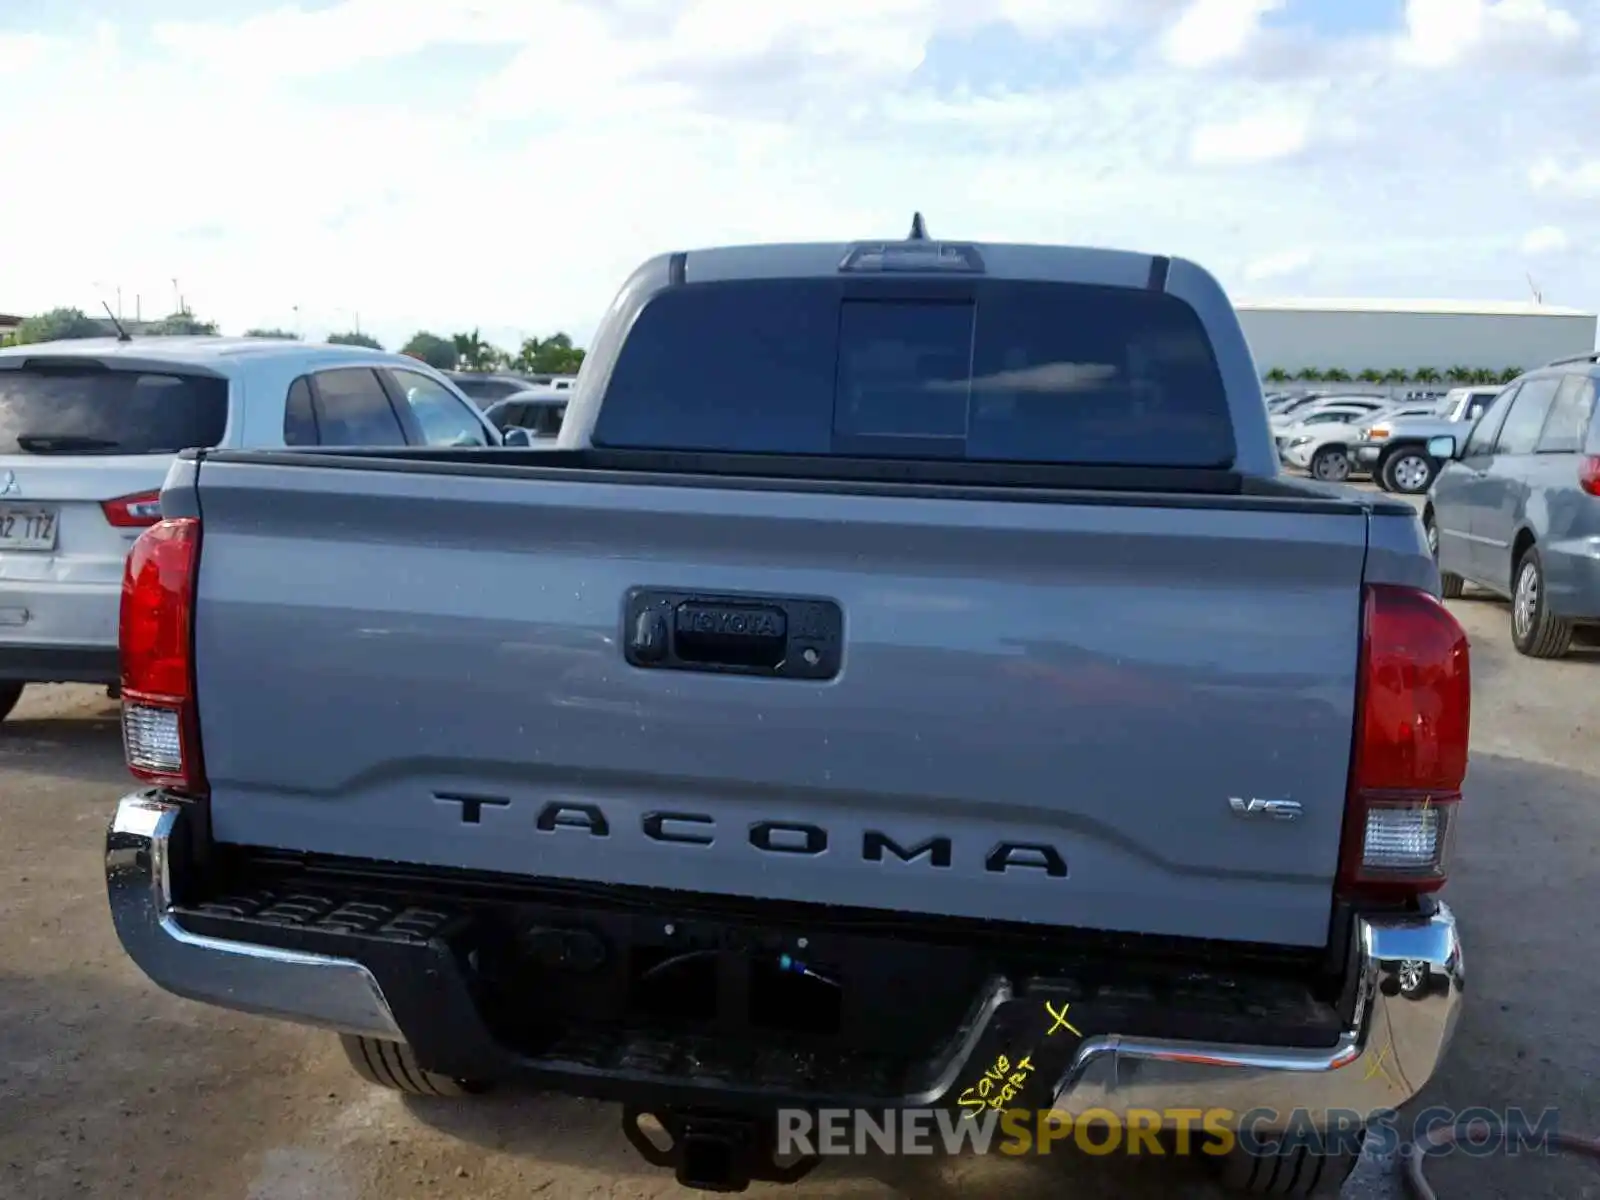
{"x":87,"y":409}
{"x":991,"y":371}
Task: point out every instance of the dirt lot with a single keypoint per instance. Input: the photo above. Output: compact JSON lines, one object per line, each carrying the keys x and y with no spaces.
{"x":110,"y":1088}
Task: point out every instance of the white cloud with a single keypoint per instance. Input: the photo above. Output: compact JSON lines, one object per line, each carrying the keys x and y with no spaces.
{"x":1214,"y":31}
{"x":1258,"y":137}
{"x":340,"y":158}
{"x":1279,"y":265}
{"x":1547,"y":239}
{"x":21,"y":51}
{"x":1566,"y":178}
{"x":1442,"y":33}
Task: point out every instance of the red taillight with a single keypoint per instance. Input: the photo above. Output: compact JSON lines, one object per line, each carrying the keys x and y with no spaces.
{"x":131,"y":512}
{"x":160,"y":731}
{"x":1589,"y":474}
{"x":1413,"y":714}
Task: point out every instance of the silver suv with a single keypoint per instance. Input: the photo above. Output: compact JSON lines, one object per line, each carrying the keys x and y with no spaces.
{"x":88,"y":429}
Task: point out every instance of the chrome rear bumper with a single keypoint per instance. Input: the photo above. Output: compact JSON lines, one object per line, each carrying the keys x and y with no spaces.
{"x":310,"y":989}
{"x":1408,"y":1003}
{"x":1409,"y":998}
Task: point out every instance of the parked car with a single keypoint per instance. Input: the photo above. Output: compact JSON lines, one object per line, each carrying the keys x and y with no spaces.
{"x":537,"y":410}
{"x":1515,"y":508}
{"x":1318,"y":410}
{"x":89,"y":427}
{"x":1331,"y":467}
{"x":1299,"y":406}
{"x":740,"y":721}
{"x":1322,"y":443}
{"x":484,"y":387}
{"x":1394,"y":448}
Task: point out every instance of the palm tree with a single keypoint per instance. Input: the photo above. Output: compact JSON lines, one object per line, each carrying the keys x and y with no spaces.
{"x":1277,"y":375}
{"x":1394,"y":376}
{"x":1509,"y":374}
{"x":1425,"y":375}
{"x":475,"y":353}
{"x":1310,"y":375}
{"x":1371,"y":375}
{"x":1458,"y":375}
{"x":1336,"y":375}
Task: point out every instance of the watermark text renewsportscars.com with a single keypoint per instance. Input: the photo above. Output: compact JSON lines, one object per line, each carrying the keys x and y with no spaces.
{"x":1189,"y":1131}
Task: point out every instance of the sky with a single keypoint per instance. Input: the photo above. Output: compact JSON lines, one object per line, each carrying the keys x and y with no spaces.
{"x":397,"y":165}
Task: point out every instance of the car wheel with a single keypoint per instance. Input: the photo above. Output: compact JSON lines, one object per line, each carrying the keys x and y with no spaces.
{"x":1535,"y":631}
{"x":10,"y":693}
{"x":1409,"y":472}
{"x":1285,"y":1170}
{"x":394,"y":1065}
{"x":1450,"y":585}
{"x":1330,"y":465}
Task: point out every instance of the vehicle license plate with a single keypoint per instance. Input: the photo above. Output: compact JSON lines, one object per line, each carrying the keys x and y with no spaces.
{"x":28,"y":528}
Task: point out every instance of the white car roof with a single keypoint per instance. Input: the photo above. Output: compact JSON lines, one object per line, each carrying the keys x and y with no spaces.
{"x":223,"y":355}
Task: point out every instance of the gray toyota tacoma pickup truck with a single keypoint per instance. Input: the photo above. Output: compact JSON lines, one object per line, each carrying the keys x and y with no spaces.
{"x":906,"y":666}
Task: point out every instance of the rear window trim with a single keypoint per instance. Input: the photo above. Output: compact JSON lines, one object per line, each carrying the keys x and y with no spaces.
{"x":115,"y":363}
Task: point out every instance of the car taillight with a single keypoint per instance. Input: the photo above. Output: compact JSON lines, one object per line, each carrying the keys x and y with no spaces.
{"x":131,"y":512}
{"x":1413,"y":715}
{"x":1589,"y":474}
{"x":160,"y":729}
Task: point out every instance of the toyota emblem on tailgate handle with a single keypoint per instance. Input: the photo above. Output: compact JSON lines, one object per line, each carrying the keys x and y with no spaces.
{"x":8,"y":484}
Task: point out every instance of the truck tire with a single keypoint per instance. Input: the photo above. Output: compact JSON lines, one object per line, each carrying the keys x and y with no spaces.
{"x":10,"y":693}
{"x":1290,"y":1171}
{"x":1450,"y":585}
{"x":393,"y":1065}
{"x":1408,"y":471}
{"x":1535,"y":630}
{"x":1330,"y":464}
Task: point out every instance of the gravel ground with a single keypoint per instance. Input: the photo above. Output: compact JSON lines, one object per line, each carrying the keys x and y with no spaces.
{"x":111,"y":1088}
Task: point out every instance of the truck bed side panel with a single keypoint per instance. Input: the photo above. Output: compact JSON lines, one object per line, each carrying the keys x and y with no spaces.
{"x":428,"y":668}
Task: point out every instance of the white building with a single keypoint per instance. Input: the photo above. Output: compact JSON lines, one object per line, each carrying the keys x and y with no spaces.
{"x":1410,"y":335}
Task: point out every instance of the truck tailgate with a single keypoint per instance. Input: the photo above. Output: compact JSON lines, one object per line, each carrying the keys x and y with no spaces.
{"x":1055,"y":701}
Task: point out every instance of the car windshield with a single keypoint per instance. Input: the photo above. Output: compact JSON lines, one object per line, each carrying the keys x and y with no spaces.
{"x":87,"y":409}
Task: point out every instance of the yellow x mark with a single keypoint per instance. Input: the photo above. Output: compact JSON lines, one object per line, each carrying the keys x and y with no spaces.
{"x":1060,"y":1018}
{"x":1377,"y":1065}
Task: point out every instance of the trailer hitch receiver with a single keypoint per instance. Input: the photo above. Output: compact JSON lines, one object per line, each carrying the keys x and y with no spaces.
{"x":714,"y":1152}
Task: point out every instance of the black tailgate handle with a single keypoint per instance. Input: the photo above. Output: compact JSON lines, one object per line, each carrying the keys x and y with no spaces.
{"x":781,"y":637}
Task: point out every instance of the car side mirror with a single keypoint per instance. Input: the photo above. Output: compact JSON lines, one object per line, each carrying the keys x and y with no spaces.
{"x":1442,"y":447}
{"x":516,"y":436}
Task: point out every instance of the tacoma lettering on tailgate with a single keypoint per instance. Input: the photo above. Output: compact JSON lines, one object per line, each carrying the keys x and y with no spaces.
{"x":767,"y":837}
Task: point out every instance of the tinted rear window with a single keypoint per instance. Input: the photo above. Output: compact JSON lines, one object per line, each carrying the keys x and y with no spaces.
{"x":72,"y":410}
{"x":1008,"y":372}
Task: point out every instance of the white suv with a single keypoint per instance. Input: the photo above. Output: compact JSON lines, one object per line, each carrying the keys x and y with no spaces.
{"x":88,"y":429}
